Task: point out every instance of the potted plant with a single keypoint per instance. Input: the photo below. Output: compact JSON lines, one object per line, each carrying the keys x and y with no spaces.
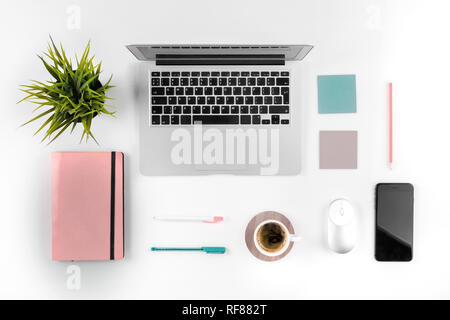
{"x":74,"y":96}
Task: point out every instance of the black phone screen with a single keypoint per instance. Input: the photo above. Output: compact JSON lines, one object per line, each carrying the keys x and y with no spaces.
{"x":394,"y":222}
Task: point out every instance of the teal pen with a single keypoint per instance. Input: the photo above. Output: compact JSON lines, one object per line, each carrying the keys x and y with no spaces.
{"x":214,"y":250}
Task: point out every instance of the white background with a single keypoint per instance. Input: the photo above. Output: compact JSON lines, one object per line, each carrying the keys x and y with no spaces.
{"x":403,"y":41}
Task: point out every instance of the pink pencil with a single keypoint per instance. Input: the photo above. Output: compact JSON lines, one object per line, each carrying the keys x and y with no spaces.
{"x":390,"y":126}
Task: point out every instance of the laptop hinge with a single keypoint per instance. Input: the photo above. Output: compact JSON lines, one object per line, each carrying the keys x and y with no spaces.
{"x":219,"y":59}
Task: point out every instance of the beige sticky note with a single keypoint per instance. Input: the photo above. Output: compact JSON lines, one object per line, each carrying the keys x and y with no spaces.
{"x":338,"y":150}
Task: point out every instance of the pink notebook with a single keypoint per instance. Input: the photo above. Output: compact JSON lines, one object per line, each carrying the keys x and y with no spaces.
{"x":87,"y":206}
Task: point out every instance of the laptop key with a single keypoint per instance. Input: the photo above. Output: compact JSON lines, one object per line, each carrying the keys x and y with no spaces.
{"x":201,"y":100}
{"x":220,"y":100}
{"x":275,"y":119}
{"x":155,"y":82}
{"x":225,"y":109}
{"x":227,"y":91}
{"x":182,"y":100}
{"x":155,"y":74}
{"x":184,"y":82}
{"x":173,"y":100}
{"x":156,"y":109}
{"x":157,"y":91}
{"x":245,"y":119}
{"x":196,"y":109}
{"x":165,"y":119}
{"x":155,"y":120}
{"x":285,"y":121}
{"x":237,"y":91}
{"x":215,"y":109}
{"x":282,"y":81}
{"x":206,"y":109}
{"x":262,"y":109}
{"x":191,"y":100}
{"x":285,"y":94}
{"x":208,"y":91}
{"x":177,"y":109}
{"x":167,"y":109}
{"x":244,"y":109}
{"x":275,"y":91}
{"x":256,"y":119}
{"x":186,"y":120}
{"x":218,"y":119}
{"x":213,"y":82}
{"x":265,"y":121}
{"x":198,"y":91}
{"x":278,"y":100}
{"x":278,"y":109}
{"x":234,"y":109}
{"x":253,"y":109}
{"x":186,"y":109}
{"x":174,"y":119}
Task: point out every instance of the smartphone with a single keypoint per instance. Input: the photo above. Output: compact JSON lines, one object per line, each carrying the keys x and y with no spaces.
{"x":394,"y":222}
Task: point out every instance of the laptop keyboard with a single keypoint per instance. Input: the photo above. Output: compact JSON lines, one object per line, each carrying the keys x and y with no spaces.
{"x":219,"y":98}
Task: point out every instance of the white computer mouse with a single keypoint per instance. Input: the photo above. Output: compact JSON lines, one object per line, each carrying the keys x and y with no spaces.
{"x":342,"y":226}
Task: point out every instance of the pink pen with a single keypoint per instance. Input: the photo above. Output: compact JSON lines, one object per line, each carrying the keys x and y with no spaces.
{"x":204,"y":219}
{"x":390,"y":126}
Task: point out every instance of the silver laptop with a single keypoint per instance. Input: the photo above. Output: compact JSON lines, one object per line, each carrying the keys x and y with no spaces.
{"x":208,"y":109}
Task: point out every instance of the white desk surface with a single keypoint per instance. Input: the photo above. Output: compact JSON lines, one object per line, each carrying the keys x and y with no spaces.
{"x":403,"y":41}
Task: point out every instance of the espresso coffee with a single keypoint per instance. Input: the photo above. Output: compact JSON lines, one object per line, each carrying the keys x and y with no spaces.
{"x":271,"y":237}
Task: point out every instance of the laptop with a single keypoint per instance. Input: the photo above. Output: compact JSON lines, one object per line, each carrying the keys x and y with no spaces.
{"x":218,"y":109}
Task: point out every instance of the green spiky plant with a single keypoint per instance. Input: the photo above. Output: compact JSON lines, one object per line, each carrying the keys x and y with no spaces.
{"x":74,"y":96}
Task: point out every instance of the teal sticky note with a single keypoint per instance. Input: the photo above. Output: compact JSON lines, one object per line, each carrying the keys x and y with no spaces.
{"x":337,"y":93}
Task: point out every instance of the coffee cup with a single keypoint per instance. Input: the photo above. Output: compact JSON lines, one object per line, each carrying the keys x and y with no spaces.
{"x":272,"y":238}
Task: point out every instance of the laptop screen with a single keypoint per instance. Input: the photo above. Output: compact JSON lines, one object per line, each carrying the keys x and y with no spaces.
{"x":285,"y":52}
